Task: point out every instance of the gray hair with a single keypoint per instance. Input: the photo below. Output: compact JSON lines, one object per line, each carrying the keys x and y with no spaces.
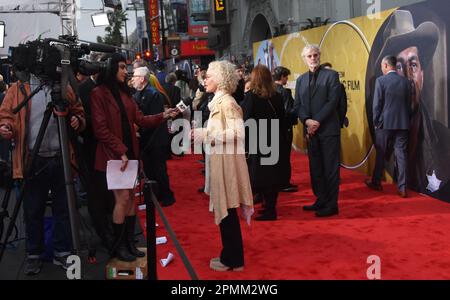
{"x":310,"y":47}
{"x":142,"y":71}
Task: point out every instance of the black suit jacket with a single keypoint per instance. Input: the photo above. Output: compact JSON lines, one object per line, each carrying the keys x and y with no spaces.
{"x":391,"y":104}
{"x":321,"y":104}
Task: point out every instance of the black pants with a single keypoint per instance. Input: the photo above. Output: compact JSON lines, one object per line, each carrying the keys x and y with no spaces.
{"x":100,"y":204}
{"x":155,"y":167}
{"x":270,"y":201}
{"x":323,"y":154}
{"x":233,"y":250}
{"x":285,"y":159}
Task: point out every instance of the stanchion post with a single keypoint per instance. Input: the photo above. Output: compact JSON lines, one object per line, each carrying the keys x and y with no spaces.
{"x":151,"y":232}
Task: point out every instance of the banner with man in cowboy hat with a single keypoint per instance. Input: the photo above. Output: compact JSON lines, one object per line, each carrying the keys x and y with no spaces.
{"x":417,"y":36}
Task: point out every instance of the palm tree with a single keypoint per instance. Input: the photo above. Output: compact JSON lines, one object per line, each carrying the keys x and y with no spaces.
{"x":113,"y":34}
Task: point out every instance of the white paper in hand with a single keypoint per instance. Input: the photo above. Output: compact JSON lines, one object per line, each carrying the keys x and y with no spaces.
{"x":118,"y":180}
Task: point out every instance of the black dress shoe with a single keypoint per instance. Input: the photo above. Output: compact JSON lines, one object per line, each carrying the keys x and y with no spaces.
{"x":266,"y":217}
{"x":167,"y":203}
{"x":373,"y":186}
{"x":289,"y":189}
{"x":403,"y":194}
{"x":310,"y":208}
{"x":327,"y":212}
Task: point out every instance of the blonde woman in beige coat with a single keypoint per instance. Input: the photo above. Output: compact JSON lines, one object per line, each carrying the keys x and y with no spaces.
{"x":228,"y":182}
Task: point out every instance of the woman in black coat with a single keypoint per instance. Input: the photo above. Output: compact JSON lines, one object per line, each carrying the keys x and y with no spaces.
{"x":265,"y":106}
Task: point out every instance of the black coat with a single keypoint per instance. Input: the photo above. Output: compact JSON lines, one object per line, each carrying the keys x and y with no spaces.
{"x":153,"y":141}
{"x":288,"y":101}
{"x":89,"y":141}
{"x":320,"y":104}
{"x":265,"y":176}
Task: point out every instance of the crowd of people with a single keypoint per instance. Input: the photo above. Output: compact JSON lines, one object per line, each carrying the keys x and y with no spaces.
{"x":122,"y":116}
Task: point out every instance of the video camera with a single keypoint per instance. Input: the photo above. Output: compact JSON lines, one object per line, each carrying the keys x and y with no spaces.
{"x":45,"y":58}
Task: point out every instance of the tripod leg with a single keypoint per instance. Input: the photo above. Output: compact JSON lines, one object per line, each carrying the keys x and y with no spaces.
{"x":12,"y":222}
{"x":27,"y":174}
{"x":70,"y":189}
{"x":4,"y":212}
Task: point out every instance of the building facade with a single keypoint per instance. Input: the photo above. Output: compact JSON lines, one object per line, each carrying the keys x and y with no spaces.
{"x":256,"y":20}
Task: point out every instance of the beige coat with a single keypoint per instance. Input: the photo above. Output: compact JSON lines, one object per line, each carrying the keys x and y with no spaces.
{"x":229,"y":182}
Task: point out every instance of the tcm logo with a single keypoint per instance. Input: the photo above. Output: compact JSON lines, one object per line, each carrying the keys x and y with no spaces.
{"x":374,"y":270}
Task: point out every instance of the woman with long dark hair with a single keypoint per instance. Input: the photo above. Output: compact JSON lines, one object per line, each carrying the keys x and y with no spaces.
{"x":114,"y":114}
{"x":264,"y":105}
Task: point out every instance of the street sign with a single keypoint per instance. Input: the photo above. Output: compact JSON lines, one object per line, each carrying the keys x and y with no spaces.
{"x":174,"y":52}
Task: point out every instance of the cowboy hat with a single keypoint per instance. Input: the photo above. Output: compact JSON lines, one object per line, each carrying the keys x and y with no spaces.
{"x":400,"y":34}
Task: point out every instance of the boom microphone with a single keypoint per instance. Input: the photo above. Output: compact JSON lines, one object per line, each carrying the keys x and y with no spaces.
{"x":101,"y":48}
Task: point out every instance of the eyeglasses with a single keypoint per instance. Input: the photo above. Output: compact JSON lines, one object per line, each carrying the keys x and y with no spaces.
{"x":315,"y":55}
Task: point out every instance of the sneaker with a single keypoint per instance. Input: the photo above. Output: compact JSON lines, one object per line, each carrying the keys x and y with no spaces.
{"x":61,"y":261}
{"x":32,"y":266}
{"x":214,"y":260}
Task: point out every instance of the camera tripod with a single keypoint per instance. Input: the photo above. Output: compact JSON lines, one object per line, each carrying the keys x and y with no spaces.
{"x":59,"y":107}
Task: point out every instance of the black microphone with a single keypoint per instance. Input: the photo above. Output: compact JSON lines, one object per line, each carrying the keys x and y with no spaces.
{"x":101,"y":48}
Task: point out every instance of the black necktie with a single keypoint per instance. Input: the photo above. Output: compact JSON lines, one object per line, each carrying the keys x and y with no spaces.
{"x":312,"y":83}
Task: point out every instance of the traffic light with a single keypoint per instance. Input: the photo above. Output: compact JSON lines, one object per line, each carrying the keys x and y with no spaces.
{"x":148,"y":55}
{"x":138,"y":56}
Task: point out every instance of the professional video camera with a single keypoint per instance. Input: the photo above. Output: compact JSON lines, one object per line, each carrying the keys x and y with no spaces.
{"x":55,"y":62}
{"x":46,"y":58}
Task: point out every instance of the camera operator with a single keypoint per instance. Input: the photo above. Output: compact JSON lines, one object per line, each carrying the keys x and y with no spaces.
{"x":114,"y":114}
{"x":47,"y":174}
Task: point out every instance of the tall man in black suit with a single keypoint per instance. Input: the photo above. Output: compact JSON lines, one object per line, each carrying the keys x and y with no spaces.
{"x":316,"y":101}
{"x":391,"y":118}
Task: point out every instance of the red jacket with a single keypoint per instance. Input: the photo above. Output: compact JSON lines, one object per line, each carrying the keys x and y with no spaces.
{"x":106,"y":122}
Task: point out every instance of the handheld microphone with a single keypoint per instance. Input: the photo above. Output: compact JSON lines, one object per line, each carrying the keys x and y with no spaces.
{"x":184,"y":104}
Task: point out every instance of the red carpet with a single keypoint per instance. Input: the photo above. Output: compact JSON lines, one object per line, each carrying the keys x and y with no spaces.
{"x":411,"y":236}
